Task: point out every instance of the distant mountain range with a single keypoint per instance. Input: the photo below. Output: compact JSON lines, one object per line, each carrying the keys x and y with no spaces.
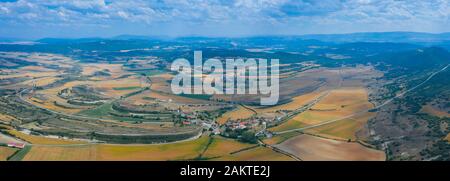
{"x":395,"y":37}
{"x":425,"y":39}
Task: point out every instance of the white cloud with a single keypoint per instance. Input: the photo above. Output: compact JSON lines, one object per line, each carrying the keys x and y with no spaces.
{"x":294,"y":16}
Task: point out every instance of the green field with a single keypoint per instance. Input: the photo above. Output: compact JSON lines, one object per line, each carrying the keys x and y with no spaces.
{"x":20,"y":154}
{"x":99,"y":111}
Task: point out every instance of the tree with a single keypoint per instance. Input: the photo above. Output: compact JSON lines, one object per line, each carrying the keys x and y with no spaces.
{"x":248,"y":136}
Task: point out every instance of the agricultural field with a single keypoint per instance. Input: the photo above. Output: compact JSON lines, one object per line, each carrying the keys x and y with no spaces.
{"x":239,"y":113}
{"x":41,"y":139}
{"x":111,"y":99}
{"x":161,"y":82}
{"x":295,"y":103}
{"x":345,"y":129}
{"x":61,"y":153}
{"x":43,"y":81}
{"x":115,"y":88}
{"x":165,"y":97}
{"x":220,"y":146}
{"x":256,"y":154}
{"x":308,"y":147}
{"x":277,"y":139}
{"x":6,"y":152}
{"x":338,"y":104}
{"x":191,"y":150}
{"x":112,"y":70}
{"x":204,"y":148}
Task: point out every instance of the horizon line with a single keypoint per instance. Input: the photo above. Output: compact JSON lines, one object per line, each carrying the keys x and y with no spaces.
{"x":214,"y":36}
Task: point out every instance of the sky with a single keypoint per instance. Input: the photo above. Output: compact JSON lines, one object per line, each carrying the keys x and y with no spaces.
{"x":33,"y":19}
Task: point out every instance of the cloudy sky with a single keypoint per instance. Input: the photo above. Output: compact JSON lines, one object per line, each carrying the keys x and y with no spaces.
{"x":104,"y":18}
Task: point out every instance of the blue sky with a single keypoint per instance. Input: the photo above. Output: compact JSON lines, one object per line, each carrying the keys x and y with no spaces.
{"x":31,"y":19}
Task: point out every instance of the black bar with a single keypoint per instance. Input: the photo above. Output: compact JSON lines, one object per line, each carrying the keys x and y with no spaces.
{"x":172,"y":170}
